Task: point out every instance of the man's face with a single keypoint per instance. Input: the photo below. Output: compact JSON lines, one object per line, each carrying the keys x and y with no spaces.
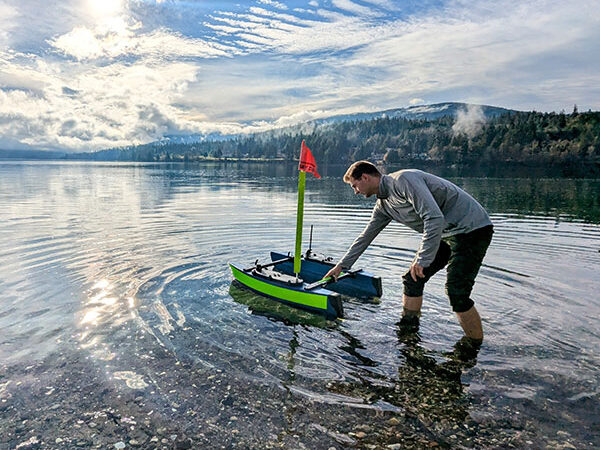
{"x":363,"y":185}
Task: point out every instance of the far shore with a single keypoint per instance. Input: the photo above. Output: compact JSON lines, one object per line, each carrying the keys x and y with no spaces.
{"x":501,"y":169}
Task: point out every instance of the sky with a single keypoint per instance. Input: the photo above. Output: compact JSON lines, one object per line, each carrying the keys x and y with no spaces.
{"x":91,"y":74}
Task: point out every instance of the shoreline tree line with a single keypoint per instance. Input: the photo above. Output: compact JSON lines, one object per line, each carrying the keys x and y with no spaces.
{"x":517,"y":137}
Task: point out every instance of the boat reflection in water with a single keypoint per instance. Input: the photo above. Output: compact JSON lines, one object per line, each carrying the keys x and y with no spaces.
{"x":276,"y":311}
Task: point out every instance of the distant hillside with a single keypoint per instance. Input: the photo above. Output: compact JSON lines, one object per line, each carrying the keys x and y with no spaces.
{"x":146,"y":151}
{"x":468,"y":137}
{"x":199,"y":145}
{"x":194,"y":138}
{"x":421,"y":112}
{"x":446,"y":133}
{"x":31,"y":154}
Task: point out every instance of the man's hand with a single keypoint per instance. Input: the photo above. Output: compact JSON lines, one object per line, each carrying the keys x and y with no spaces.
{"x":416,"y":270}
{"x":335,"y":272}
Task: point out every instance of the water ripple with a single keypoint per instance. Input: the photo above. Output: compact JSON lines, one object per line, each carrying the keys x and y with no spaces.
{"x":134,"y":274}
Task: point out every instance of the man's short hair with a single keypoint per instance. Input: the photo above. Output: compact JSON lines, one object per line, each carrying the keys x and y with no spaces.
{"x":356,"y":170}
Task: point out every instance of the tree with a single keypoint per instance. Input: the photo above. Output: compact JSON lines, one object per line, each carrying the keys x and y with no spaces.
{"x":392,"y":156}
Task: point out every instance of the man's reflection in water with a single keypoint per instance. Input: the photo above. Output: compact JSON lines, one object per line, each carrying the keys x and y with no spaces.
{"x":428,"y":387}
{"x":428,"y":383}
{"x":428,"y":391}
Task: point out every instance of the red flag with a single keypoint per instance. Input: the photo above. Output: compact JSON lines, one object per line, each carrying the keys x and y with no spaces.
{"x":307,"y":161}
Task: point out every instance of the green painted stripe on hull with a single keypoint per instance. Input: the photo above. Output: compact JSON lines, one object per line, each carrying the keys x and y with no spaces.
{"x":302,"y":298}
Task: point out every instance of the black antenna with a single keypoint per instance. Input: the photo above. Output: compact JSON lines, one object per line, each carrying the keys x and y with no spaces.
{"x":310,"y":242}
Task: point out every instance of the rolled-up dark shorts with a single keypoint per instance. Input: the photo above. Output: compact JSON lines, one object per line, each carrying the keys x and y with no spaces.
{"x":463,"y":255}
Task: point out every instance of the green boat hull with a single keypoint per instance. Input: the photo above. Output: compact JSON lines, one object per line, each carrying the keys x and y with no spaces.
{"x":319,"y":300}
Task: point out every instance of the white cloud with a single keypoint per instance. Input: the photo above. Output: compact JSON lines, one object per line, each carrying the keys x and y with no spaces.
{"x":352,"y":7}
{"x":286,"y":35}
{"x":416,"y":101}
{"x":117,"y":38}
{"x":83,"y":107}
{"x":387,"y":4}
{"x":8,"y":22}
{"x":299,"y":117}
{"x":273,"y":3}
{"x":497,"y":58}
{"x":80,"y":43}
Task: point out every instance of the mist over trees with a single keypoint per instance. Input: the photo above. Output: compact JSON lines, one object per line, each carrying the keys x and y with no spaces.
{"x":522,"y":137}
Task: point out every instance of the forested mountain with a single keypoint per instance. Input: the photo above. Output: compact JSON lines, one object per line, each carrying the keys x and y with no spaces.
{"x":426,"y":112}
{"x":527,"y":137}
{"x":418,"y":112}
{"x":31,"y":154}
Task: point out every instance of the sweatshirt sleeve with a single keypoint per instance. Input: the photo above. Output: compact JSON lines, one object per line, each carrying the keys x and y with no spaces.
{"x":378,"y":222}
{"x":418,"y":194}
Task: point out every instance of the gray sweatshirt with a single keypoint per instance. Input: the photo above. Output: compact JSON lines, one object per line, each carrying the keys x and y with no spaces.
{"x":427,"y":204}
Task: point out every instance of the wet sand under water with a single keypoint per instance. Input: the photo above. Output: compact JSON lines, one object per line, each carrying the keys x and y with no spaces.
{"x":64,"y":402}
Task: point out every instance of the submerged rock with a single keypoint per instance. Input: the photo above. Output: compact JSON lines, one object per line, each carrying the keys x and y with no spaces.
{"x":32,"y":442}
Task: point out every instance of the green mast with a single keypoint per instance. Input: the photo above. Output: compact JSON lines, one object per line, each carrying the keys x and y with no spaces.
{"x":307,"y":164}
{"x":299,"y":221}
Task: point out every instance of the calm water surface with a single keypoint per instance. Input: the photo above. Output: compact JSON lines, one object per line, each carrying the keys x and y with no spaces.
{"x":119,"y":322}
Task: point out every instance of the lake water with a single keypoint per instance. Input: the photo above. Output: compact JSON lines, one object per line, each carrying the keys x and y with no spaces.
{"x":119,"y":322}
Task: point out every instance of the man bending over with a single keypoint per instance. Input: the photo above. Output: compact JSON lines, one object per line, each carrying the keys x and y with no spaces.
{"x":456,"y":233}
